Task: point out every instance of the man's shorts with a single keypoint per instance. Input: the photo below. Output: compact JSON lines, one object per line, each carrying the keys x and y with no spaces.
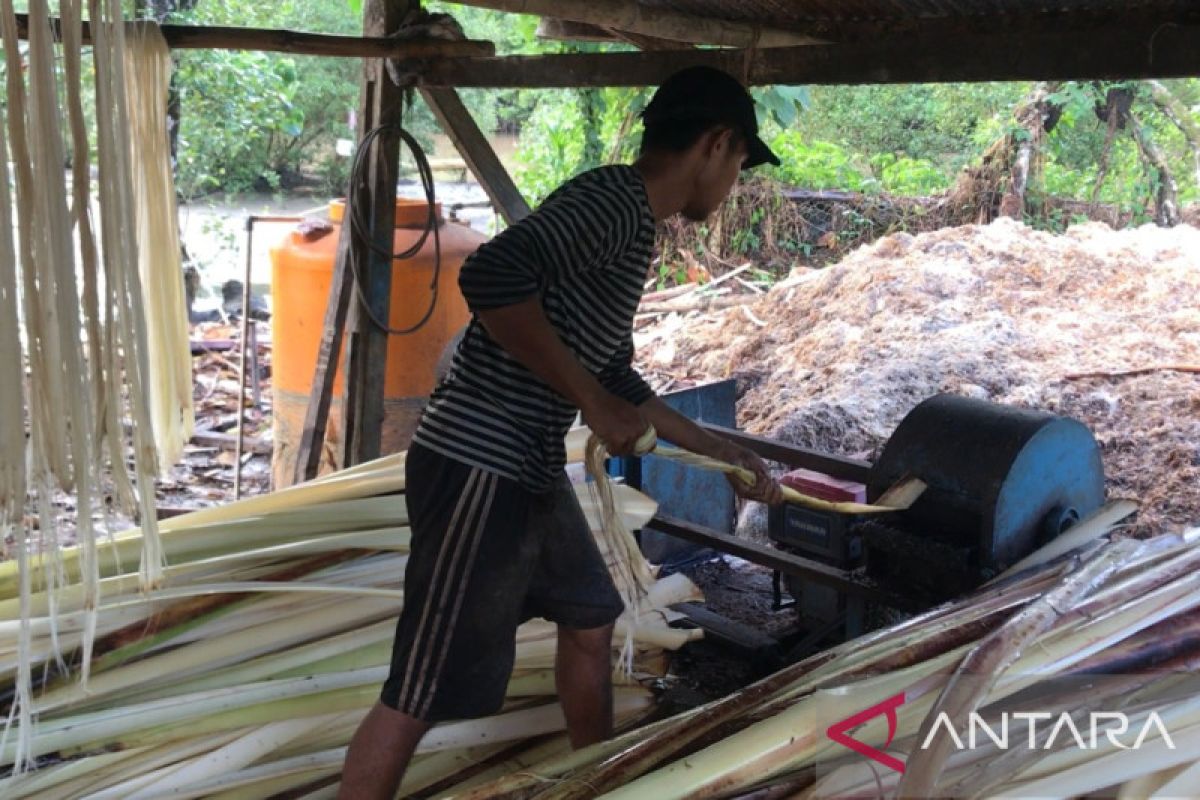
{"x":486,"y":555}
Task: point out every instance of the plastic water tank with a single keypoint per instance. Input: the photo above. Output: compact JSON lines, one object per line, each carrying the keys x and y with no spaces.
{"x":301,"y":273}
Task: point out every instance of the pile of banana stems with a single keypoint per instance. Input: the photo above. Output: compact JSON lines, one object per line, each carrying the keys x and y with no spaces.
{"x":246,"y":673}
{"x":1089,"y":626}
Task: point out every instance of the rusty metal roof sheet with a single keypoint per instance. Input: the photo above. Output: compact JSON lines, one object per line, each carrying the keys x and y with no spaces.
{"x":804,"y":14}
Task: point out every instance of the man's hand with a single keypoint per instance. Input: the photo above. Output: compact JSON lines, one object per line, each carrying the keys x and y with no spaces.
{"x":765,"y":489}
{"x":619,"y":424}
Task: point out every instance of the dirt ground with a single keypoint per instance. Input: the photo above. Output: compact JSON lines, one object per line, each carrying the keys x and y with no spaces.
{"x":833,"y":359}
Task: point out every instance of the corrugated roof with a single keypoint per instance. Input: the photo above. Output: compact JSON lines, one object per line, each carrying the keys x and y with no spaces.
{"x":803,"y":15}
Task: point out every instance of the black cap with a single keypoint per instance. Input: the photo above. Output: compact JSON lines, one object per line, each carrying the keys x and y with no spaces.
{"x":708,"y":94}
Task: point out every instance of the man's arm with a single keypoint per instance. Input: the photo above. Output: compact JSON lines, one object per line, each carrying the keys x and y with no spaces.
{"x":678,"y":429}
{"x":524,"y":332}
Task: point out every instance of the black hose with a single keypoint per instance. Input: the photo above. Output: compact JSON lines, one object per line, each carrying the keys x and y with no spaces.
{"x":362,"y":228}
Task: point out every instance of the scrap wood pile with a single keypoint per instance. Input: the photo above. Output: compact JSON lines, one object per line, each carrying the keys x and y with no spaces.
{"x":1104,"y":628}
{"x":246,"y":672}
{"x":1087,"y":324}
{"x":206,"y":473}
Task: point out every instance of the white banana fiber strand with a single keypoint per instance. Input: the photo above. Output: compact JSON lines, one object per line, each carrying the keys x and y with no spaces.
{"x":84,"y":338}
{"x":46,"y":406}
{"x":63,"y":455}
{"x":148,"y":75}
{"x":631,"y":573}
{"x":128,"y":344}
{"x":12,"y":438}
{"x":71,"y":28}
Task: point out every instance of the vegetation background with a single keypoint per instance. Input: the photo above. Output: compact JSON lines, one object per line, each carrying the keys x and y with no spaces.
{"x":260,"y":122}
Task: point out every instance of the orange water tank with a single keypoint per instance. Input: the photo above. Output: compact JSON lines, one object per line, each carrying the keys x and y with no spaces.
{"x":301,"y":272}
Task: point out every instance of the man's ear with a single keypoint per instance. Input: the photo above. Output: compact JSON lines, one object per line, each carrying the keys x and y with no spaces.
{"x":721,"y":140}
{"x":713,"y":143}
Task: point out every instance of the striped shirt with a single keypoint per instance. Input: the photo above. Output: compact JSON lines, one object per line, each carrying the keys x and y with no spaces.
{"x":586,"y":254}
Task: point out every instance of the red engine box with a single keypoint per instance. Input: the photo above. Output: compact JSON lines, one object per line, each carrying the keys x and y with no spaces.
{"x":824,"y":487}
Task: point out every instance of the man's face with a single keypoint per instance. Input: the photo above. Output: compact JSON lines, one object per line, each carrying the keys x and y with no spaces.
{"x":726,"y":154}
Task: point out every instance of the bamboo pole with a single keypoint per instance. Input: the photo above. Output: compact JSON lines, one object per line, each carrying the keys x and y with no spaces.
{"x":216,"y":37}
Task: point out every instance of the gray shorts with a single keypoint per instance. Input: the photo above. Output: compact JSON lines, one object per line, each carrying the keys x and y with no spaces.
{"x":487,"y":554}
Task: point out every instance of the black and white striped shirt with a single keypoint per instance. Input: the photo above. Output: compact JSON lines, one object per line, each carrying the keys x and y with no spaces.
{"x":586,"y":253}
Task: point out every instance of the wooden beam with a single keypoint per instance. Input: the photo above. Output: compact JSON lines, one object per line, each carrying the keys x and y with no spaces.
{"x":632,"y":16}
{"x":382,"y":106}
{"x":329,"y":357}
{"x":564,"y":30}
{"x":1125,"y":52}
{"x":475,"y":149}
{"x":561,"y":30}
{"x":198,"y":37}
{"x":643,"y":42}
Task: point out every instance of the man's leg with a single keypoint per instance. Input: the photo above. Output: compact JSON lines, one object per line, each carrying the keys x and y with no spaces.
{"x":583,"y":675}
{"x":379,"y":754}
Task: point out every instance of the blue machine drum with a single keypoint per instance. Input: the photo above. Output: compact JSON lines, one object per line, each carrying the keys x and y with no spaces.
{"x":1002,"y":480}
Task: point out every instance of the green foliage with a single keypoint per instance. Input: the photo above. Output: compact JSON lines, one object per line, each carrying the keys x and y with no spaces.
{"x":781,"y":105}
{"x":946,"y":124}
{"x":909,"y":177}
{"x":552,"y":147}
{"x":254,"y":121}
{"x":264,"y":121}
{"x":571,"y":131}
{"x":816,"y":165}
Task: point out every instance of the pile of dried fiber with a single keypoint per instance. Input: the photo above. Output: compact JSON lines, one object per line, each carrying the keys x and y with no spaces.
{"x":835,"y":358}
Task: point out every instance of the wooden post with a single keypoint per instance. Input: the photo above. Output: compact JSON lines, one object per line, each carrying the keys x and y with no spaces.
{"x":475,"y":149}
{"x":373,"y":197}
{"x":382,"y":104}
{"x":329,"y":355}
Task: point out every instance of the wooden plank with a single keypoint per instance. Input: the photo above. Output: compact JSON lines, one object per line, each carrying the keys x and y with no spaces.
{"x":382,"y":105}
{"x":664,"y":23}
{"x":563,"y":30}
{"x":1136,"y":50}
{"x":850,"y":469}
{"x":643,"y":42}
{"x":722,"y":629}
{"x":215,"y":37}
{"x":784,"y":562}
{"x":329,"y":355}
{"x":228,"y":441}
{"x":473,"y":146}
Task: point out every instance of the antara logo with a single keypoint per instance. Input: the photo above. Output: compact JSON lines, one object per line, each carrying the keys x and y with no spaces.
{"x":1111,"y":725}
{"x":837,"y":731}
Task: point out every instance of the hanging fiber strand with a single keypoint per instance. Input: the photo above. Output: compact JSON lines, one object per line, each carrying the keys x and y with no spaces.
{"x":147,"y":76}
{"x":12,"y":444}
{"x":125,"y":300}
{"x":72,"y":319}
{"x":630,"y":571}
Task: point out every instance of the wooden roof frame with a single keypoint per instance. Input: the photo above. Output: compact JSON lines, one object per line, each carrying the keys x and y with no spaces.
{"x":1162,"y":43}
{"x":1134,"y":50}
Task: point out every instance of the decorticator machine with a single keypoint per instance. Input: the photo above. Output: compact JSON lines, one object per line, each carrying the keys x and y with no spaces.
{"x":1002,"y":482}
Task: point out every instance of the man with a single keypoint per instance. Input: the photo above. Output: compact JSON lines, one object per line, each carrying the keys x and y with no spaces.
{"x":497,"y":535}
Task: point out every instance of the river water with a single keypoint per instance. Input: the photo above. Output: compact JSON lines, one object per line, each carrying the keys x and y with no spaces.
{"x":214,"y":231}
